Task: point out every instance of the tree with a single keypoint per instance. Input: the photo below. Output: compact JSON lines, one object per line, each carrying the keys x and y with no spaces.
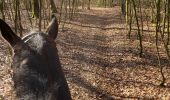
{"x":89,"y":2}
{"x":1,"y":9}
{"x":139,"y":33}
{"x":35,"y":8}
{"x":17,"y":21}
{"x":53,"y":6}
{"x":123,"y":3}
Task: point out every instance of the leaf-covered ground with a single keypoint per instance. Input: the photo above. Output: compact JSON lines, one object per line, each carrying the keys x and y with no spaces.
{"x":100,"y":62}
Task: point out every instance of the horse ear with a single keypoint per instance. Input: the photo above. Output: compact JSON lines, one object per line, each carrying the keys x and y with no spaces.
{"x":8,"y":34}
{"x":52,"y":29}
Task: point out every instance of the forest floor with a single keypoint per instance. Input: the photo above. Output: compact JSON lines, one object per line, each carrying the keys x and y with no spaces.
{"x":100,"y":62}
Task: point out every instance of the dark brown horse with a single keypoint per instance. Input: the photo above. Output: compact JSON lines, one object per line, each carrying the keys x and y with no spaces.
{"x":37,"y":72}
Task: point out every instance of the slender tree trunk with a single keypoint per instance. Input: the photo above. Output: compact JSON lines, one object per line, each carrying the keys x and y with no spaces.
{"x":73,"y":8}
{"x":158,"y":21}
{"x":141,"y":16}
{"x":27,"y":10}
{"x":89,"y":3}
{"x":11,"y":9}
{"x":127,"y":11}
{"x":123,"y":7}
{"x":35,"y":9}
{"x":164,"y":18}
{"x":61,"y":8}
{"x":17,"y":21}
{"x":40,"y":18}
{"x":2,"y":8}
{"x":153,"y":12}
{"x":139,"y":34}
{"x":168,"y":16}
{"x":130,"y":19}
{"x":65,"y":16}
{"x":53,"y":6}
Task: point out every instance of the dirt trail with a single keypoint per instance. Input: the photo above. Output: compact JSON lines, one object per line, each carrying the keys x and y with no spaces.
{"x":102,"y":64}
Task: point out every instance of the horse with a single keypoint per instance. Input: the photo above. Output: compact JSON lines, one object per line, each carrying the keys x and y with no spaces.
{"x":37,"y":71}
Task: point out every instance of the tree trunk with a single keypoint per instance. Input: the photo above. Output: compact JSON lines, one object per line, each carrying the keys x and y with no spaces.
{"x":123,"y":8}
{"x":89,"y":5}
{"x":35,"y":9}
{"x":2,"y":8}
{"x":17,"y":21}
{"x":40,"y":18}
{"x":139,"y":34}
{"x":168,"y":15}
{"x":130,"y":18}
{"x":53,"y":6}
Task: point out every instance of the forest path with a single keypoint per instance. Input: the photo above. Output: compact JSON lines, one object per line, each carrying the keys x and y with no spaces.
{"x":101,"y":63}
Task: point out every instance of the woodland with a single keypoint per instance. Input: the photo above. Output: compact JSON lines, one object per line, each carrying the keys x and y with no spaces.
{"x":109,"y":49}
